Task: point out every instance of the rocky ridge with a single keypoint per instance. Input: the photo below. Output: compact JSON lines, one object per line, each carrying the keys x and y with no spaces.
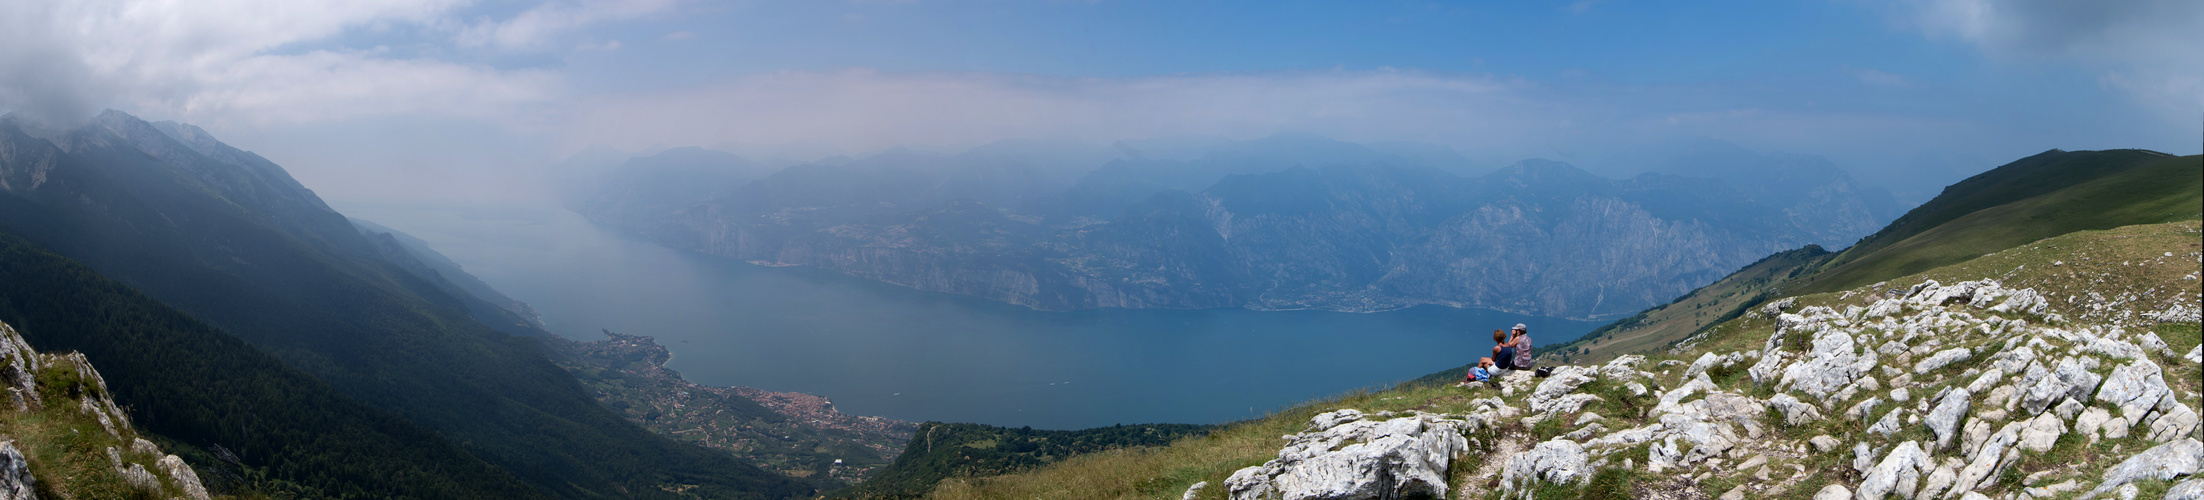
{"x":48,"y":394}
{"x":1966,"y":390}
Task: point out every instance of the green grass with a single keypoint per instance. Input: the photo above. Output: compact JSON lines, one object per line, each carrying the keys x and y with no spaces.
{"x":2160,"y":190}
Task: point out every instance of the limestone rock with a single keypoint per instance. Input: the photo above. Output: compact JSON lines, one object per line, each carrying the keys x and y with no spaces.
{"x":1833,"y":492}
{"x":2196,"y":354}
{"x":1706,"y":361}
{"x":1833,"y":364}
{"x":1944,"y":420}
{"x":2090,"y":421}
{"x":1889,"y":424}
{"x":1358,"y":458}
{"x":2174,"y":424}
{"x":1555,"y":394}
{"x":16,"y":482}
{"x":1794,"y":412}
{"x":1193,"y":492}
{"x":2041,"y":433}
{"x":2162,"y":462}
{"x":1941,"y":359}
{"x":1899,"y":473}
{"x":2135,"y":388}
{"x":2192,"y":489}
{"x":189,"y":481}
{"x":1558,"y":461}
{"x":1824,"y":443}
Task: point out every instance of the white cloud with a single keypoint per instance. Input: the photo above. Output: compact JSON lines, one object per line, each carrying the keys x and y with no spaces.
{"x":238,"y":61}
{"x":536,"y":27}
{"x":2148,"y":48}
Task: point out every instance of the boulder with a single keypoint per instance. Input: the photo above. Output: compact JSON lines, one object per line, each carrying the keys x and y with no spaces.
{"x":2135,"y":388}
{"x":1347,"y":456}
{"x":1558,"y":461}
{"x":2174,"y":424}
{"x":1824,"y":443}
{"x":1833,"y":492}
{"x":1794,"y":412}
{"x":2090,"y":421}
{"x":2041,"y":433}
{"x":187,"y":480}
{"x":1899,"y":473}
{"x":1944,"y":420}
{"x":2192,"y":489}
{"x":1555,"y":394}
{"x":1889,"y":424}
{"x":1706,"y":362}
{"x":2162,"y":462}
{"x":1193,"y":492}
{"x":1833,"y":364}
{"x":1941,"y":359}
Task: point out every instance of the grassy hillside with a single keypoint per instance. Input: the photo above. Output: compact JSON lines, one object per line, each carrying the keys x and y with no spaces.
{"x":2041,"y":196}
{"x":2129,"y":268}
{"x":2133,"y":188}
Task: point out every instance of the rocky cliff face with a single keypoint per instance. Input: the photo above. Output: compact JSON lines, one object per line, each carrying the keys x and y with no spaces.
{"x":1538,"y":237}
{"x":52,"y":401}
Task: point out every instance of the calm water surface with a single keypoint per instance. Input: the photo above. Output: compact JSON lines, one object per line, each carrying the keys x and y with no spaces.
{"x":878,"y":349}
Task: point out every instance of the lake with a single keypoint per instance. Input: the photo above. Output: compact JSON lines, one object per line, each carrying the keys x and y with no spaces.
{"x":884,"y":350}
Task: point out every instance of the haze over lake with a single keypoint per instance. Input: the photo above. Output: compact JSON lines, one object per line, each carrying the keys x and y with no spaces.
{"x":878,"y":349}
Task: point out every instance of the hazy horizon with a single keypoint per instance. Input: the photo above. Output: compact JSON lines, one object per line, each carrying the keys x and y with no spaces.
{"x":459,"y":100}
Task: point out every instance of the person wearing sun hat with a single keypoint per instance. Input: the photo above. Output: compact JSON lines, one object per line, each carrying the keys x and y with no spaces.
{"x":1521,"y":341}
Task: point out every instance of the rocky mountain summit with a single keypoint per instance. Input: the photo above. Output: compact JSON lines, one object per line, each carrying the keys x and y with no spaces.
{"x":1915,"y":390}
{"x":66,"y":438}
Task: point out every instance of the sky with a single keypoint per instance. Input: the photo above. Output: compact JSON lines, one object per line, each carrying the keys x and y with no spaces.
{"x":456,"y":99}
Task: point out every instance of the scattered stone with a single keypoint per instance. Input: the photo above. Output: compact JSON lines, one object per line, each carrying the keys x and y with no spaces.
{"x":1193,"y":492}
{"x":1705,"y":362}
{"x":2067,"y":410}
{"x":1833,"y":492}
{"x":1889,"y":423}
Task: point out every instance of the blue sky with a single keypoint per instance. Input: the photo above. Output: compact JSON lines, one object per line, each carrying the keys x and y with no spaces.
{"x":366,"y":99}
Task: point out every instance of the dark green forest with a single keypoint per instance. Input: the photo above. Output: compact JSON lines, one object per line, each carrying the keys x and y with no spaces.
{"x":941,"y":450}
{"x":290,"y":435}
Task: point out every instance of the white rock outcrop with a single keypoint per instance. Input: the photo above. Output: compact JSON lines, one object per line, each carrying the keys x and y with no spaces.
{"x":1348,"y":455}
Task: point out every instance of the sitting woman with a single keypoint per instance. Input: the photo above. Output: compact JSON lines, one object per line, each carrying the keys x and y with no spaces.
{"x":1505,"y":351}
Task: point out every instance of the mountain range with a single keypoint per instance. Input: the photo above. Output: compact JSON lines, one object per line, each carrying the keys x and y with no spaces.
{"x":1286,"y":222}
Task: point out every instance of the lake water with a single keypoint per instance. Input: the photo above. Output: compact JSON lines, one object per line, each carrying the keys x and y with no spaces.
{"x":878,"y":349}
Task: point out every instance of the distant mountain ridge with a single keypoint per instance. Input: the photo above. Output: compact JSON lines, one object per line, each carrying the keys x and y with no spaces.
{"x":1278,"y":223}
